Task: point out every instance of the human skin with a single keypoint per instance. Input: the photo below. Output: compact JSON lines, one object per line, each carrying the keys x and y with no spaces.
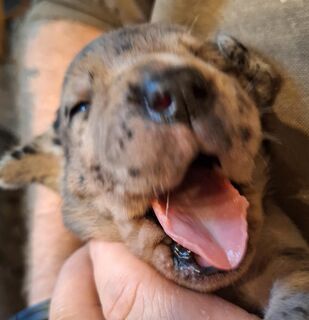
{"x":105,"y":281}
{"x":89,"y":284}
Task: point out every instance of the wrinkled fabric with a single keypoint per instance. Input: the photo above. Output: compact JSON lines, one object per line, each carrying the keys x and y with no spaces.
{"x":105,"y":14}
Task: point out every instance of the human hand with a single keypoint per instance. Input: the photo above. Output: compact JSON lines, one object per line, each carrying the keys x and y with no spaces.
{"x":105,"y":281}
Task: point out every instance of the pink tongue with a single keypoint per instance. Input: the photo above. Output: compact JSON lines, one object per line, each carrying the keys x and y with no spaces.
{"x":208,"y":217}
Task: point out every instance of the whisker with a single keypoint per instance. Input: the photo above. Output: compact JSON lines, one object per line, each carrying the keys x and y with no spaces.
{"x":302,"y":196}
{"x":154,"y":191}
{"x":251,"y":83}
{"x":161,"y":187}
{"x":167,"y":204}
{"x":271,"y":137}
{"x":265,"y":162}
{"x":193,"y":23}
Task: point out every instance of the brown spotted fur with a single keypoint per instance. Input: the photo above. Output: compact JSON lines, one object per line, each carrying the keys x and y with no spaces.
{"x":113,"y":160}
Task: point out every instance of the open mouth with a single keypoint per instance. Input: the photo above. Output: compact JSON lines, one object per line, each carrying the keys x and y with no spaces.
{"x":205,"y":216}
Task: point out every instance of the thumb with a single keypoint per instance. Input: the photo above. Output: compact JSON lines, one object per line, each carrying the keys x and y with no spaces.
{"x":130,"y":289}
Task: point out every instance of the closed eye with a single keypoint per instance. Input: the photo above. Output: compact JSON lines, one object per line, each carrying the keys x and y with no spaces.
{"x":82,"y":106}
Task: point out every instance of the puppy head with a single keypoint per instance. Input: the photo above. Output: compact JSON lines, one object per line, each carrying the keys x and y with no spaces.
{"x":155,"y":100}
{"x":148,"y":115}
{"x":152,"y":122}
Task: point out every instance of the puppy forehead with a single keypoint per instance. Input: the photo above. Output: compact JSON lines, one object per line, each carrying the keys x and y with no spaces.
{"x":125,"y":45}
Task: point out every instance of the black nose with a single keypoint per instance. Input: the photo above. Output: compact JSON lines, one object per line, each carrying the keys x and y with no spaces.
{"x":176,"y":94}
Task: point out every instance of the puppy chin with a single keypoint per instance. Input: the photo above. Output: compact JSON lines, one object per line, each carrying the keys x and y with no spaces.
{"x":191,"y":276}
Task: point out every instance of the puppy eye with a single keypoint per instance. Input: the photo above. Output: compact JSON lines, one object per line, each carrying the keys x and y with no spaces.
{"x":82,"y":106}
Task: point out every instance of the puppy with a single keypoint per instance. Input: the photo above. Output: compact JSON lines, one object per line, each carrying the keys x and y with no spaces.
{"x":158,"y":143}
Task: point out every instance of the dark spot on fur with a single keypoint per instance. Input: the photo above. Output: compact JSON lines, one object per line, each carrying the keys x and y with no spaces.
{"x":81,"y":179}
{"x":241,"y":61}
{"x":302,"y":311}
{"x":97,"y":172}
{"x":241,"y":46}
{"x":56,"y":123}
{"x":284,"y":314}
{"x":129,"y":134}
{"x":66,"y":111}
{"x":95,"y":168}
{"x":123,"y":46}
{"x":83,"y":53}
{"x":57,"y":141}
{"x":266,"y":87}
{"x":220,"y":130}
{"x":67,"y":153}
{"x":251,"y":76}
{"x":29,"y":150}
{"x":238,"y":55}
{"x":245,"y":133}
{"x":121,"y":144}
{"x":91,"y":75}
{"x":128,"y":33}
{"x":128,"y":131}
{"x":100,"y":177}
{"x":134,"y":95}
{"x":17,"y":154}
{"x":134,"y":172}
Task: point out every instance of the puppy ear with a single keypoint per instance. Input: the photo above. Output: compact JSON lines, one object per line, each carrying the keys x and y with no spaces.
{"x":258,"y":77}
{"x":39,"y":161}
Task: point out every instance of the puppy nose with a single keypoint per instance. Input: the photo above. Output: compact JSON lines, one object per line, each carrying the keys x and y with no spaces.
{"x":176,"y":94}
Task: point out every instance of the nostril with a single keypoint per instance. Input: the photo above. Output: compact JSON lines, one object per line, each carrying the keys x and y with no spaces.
{"x":175,"y":95}
{"x":199,"y":90}
{"x":157,"y":96}
{"x":160,"y":101}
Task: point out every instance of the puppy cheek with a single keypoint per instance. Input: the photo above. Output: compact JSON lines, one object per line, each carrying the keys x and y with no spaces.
{"x":163,"y":259}
{"x":142,"y":237}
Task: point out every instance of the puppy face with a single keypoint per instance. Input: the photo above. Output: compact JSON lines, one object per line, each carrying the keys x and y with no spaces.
{"x":157,"y":129}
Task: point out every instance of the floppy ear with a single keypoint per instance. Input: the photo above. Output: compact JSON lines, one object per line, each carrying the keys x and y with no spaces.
{"x":38,"y":161}
{"x":258,"y":77}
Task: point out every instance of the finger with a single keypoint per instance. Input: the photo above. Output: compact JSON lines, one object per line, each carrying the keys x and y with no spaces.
{"x":119,"y":277}
{"x":130,"y":289}
{"x":75,"y":296}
